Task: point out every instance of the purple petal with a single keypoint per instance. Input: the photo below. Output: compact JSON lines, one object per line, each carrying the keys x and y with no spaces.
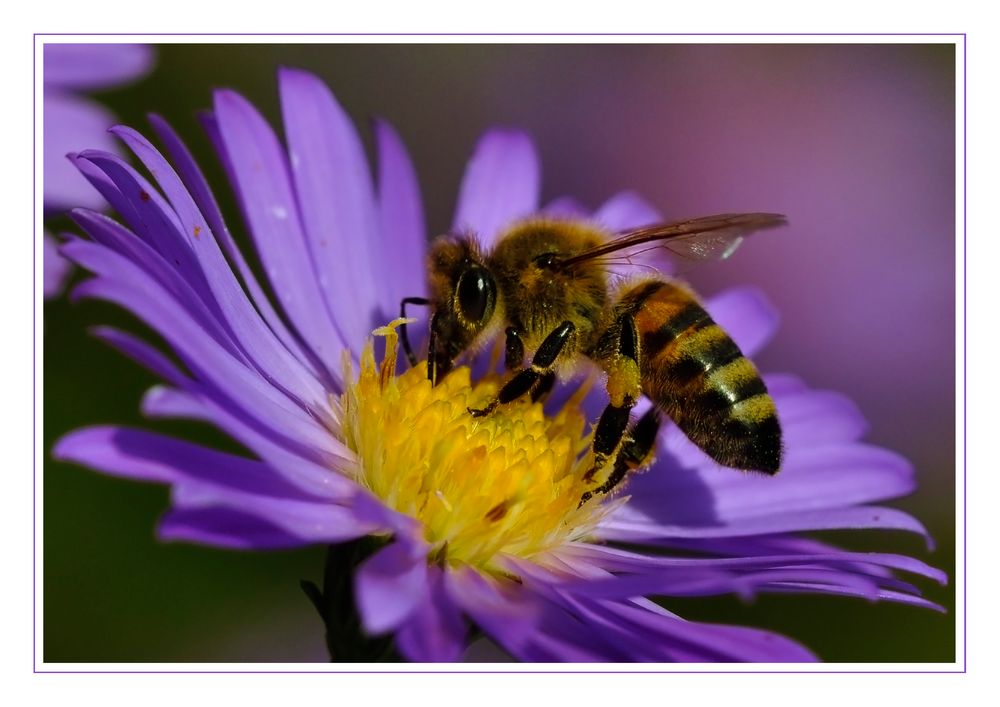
{"x":406,"y":529}
{"x":626,"y":210}
{"x":561,"y":636}
{"x":94,"y":66}
{"x":55,"y":268}
{"x":652,"y":636}
{"x":620,"y":560}
{"x":314,"y":522}
{"x":336,"y":199}
{"x":391,"y":585}
{"x":689,"y":640}
{"x":707,"y":580}
{"x":149,"y":216}
{"x":195,"y":182}
{"x":112,"y":241}
{"x":746,"y":315}
{"x":256,"y":340}
{"x":147,"y":456}
{"x":402,"y":243}
{"x":162,"y":401}
{"x":322,"y":474}
{"x":179,"y":275}
{"x":501,"y":184}
{"x":565,"y":207}
{"x":271,"y":209}
{"x":143,"y":353}
{"x":640,"y":529}
{"x":559,"y":640}
{"x":565,"y":618}
{"x":71,"y":124}
{"x":202,"y":478}
{"x":833,"y":474}
{"x":819,"y":417}
{"x":226,"y":528}
{"x":819,"y":477}
{"x":639,"y":630}
{"x":784,"y":384}
{"x":503,"y":610}
{"x":885,"y":594}
{"x":436,"y":632}
{"x":244,"y":388}
{"x":160,"y":271}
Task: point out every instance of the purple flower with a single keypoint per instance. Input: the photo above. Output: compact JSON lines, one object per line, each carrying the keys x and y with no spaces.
{"x":72,"y":122}
{"x":476,"y":523}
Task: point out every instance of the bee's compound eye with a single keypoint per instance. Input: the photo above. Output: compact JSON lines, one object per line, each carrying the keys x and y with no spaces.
{"x":475,"y":294}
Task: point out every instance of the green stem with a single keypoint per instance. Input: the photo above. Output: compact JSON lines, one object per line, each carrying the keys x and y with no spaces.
{"x":345,"y":638}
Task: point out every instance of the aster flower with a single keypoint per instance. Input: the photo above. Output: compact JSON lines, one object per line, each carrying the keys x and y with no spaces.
{"x":73,"y":121}
{"x":441,"y":524}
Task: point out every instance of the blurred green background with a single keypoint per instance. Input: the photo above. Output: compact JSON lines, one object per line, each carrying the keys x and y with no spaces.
{"x":854,"y":142}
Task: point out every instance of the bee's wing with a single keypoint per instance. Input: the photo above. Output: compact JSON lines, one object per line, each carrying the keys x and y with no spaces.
{"x":708,"y":238}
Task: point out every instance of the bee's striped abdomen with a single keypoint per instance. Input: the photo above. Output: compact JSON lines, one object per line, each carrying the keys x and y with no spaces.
{"x":695,"y":372}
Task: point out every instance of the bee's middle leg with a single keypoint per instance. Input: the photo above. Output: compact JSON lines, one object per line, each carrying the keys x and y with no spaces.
{"x":538,"y":378}
{"x":514,"y":359}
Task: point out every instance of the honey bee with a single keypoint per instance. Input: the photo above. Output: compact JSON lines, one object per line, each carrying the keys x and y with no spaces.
{"x":548,"y":285}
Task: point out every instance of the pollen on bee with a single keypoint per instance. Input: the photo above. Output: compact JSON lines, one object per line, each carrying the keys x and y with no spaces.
{"x":506,"y":484}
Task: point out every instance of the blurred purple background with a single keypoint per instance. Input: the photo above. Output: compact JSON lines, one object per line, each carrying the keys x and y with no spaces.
{"x":855,"y":143}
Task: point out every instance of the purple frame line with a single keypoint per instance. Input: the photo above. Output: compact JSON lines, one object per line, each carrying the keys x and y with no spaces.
{"x":965,"y":351}
{"x":965,"y":357}
{"x":34,"y":358}
{"x":503,"y":34}
{"x":501,"y":672}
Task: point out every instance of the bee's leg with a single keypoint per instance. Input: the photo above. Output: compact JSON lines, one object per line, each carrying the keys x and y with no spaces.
{"x":609,"y":433}
{"x":527,"y":380}
{"x":514,"y":359}
{"x":514,"y":350}
{"x":544,"y":386}
{"x":624,"y":388}
{"x":635,"y":452}
{"x":438,"y":362}
{"x":410,"y":356}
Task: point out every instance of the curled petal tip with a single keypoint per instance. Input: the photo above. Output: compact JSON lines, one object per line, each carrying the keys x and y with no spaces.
{"x":120,"y":129}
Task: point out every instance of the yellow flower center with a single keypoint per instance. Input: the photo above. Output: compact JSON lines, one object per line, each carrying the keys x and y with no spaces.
{"x":507,"y":483}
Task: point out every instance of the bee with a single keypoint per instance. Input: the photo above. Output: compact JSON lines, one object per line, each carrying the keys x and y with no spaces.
{"x":548,"y":285}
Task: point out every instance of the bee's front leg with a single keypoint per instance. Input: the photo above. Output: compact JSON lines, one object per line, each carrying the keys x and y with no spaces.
{"x":539,"y":377}
{"x":439,"y":362}
{"x":403,"y":334}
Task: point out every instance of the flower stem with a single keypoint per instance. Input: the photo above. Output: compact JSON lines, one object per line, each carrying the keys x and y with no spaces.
{"x":346,"y":639}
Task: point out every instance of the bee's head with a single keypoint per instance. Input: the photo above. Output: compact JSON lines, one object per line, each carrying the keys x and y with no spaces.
{"x":463,"y":296}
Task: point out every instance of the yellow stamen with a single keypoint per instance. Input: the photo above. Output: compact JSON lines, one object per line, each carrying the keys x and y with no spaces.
{"x":507,"y":483}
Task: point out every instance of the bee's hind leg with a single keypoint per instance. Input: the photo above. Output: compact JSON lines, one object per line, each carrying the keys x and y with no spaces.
{"x":633,"y":454}
{"x":624,"y":388}
{"x":538,"y":378}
